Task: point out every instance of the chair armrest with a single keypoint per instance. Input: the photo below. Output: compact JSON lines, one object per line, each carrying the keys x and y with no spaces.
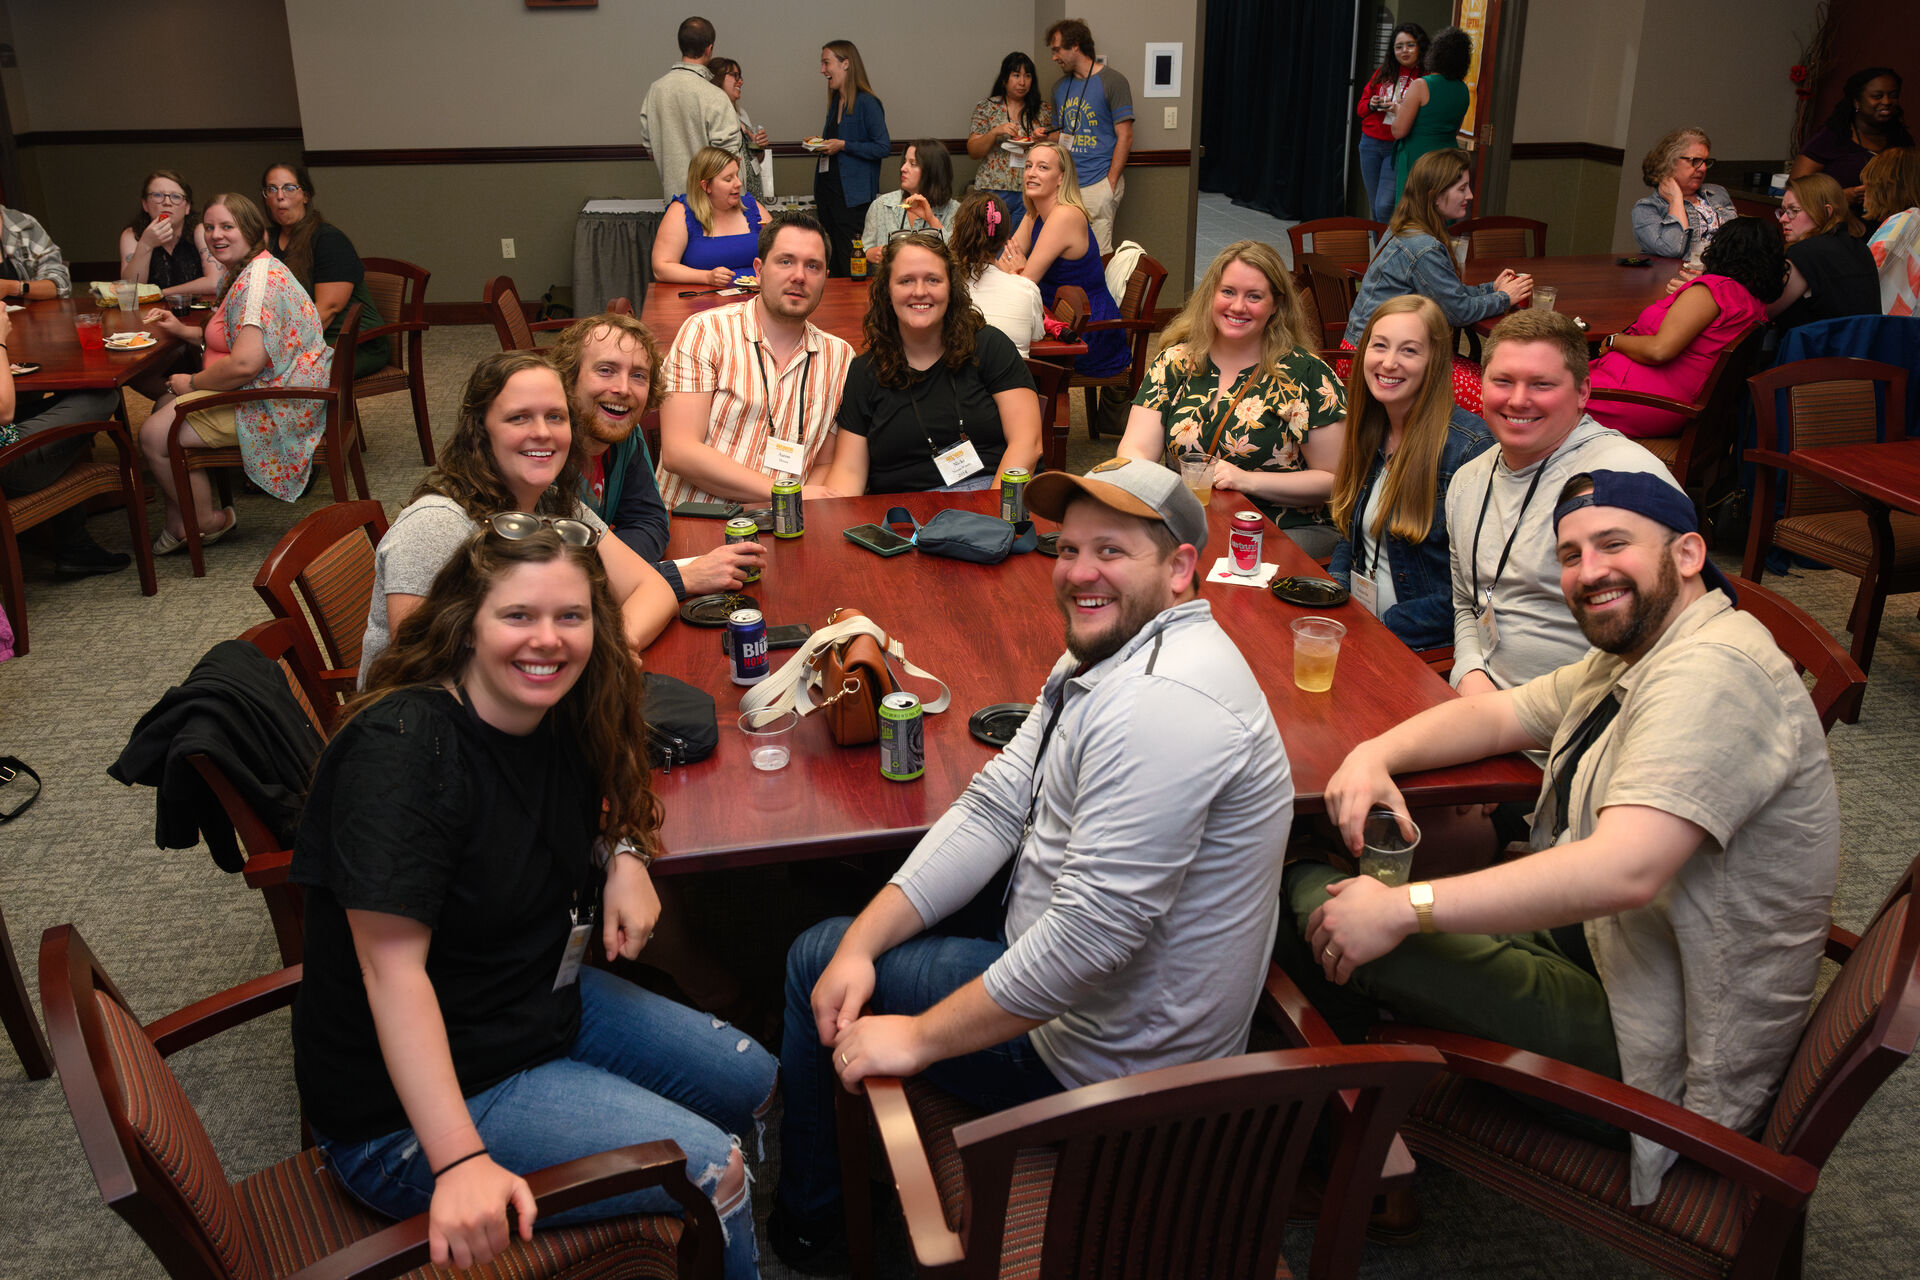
{"x":209,"y":1017}
{"x":403,"y":1246}
{"x":1841,"y":944}
{"x":267,"y":870}
{"x":40,"y":439}
{"x":935,"y":1244}
{"x":223,"y":398}
{"x":398,"y":326}
{"x":1136,"y":325}
{"x":1784,"y":1180}
{"x":1648,"y":399}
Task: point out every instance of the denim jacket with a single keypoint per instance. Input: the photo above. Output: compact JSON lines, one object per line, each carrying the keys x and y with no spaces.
{"x":1415,"y":262}
{"x":1422,"y":615}
{"x":864,"y":130}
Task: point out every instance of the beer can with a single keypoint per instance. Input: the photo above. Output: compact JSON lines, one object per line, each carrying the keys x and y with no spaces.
{"x":747,"y":638}
{"x":903,"y":746}
{"x":1244,"y":542}
{"x":788,"y":520}
{"x":1013,"y":494}
{"x":743,"y":529}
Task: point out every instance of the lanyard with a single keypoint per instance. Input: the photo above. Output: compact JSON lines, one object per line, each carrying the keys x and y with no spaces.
{"x":1078,"y":101}
{"x":1358,"y":517}
{"x":1479,"y":604}
{"x":958,"y":413}
{"x":773,"y":426}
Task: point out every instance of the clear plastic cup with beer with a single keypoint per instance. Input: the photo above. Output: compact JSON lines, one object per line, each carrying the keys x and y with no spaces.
{"x":1386,"y":852}
{"x":1316,"y":647}
{"x":1196,"y":469}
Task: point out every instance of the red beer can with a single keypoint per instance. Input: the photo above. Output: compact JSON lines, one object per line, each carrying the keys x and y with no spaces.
{"x":1243,"y":543}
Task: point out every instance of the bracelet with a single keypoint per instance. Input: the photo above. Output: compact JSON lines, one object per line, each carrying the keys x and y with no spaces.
{"x":471,"y":1155}
{"x":190,"y":385}
{"x":627,"y":847}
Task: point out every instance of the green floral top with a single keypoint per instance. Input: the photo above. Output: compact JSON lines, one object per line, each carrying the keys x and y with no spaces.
{"x":1266,"y":427}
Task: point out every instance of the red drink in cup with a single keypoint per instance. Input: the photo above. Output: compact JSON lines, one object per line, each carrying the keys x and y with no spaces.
{"x":86,"y":326}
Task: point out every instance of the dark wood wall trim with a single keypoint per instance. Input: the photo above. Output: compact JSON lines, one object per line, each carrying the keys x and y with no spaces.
{"x":96,"y":137}
{"x":375,"y":157}
{"x":1569,"y":151}
{"x":1176,"y":158}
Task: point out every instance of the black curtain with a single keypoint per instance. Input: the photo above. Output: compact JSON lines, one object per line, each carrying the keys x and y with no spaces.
{"x":1275,"y":100}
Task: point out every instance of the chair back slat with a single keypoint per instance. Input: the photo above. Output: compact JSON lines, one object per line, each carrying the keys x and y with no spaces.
{"x":321,"y":573}
{"x":1333,"y":293}
{"x":1827,"y":413}
{"x":389,"y":298}
{"x":1344,"y":246}
{"x":338,"y":590}
{"x":1346,"y":241}
{"x":509,"y":317}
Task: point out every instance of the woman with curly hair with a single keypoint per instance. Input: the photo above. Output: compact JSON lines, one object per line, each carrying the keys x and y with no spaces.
{"x":939,"y":400}
{"x":1865,"y":122}
{"x":1892,"y":182}
{"x":1236,"y":377}
{"x":1670,"y":348}
{"x":1680,"y":217}
{"x":483,"y":816}
{"x":513,"y":449}
{"x":1433,"y":106}
{"x":982,"y":230}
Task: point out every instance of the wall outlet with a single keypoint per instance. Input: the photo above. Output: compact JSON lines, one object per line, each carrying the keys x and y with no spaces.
{"x":506,"y":248}
{"x":1172,"y":118}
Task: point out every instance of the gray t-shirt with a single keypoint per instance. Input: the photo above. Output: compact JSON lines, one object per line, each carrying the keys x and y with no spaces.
{"x":418,"y":545}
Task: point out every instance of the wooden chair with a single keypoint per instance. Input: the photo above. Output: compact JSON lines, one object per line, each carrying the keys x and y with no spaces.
{"x":1733,"y":1206}
{"x":88,"y":482}
{"x":1185,"y":1171}
{"x":1838,"y":682}
{"x":339,"y":443}
{"x":322,"y":570}
{"x":1050,"y":381}
{"x":155,"y":1166}
{"x":620,"y":307}
{"x":1347,"y":241}
{"x":1832,"y":401}
{"x":1070,"y":308}
{"x":1333,"y":289}
{"x":1703,"y":451}
{"x":1502,"y":236}
{"x":510,"y":321}
{"x":1137,"y":306}
{"x":399,"y":292}
{"x":16,"y":1012}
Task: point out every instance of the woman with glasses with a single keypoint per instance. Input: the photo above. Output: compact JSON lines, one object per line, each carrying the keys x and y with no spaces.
{"x":483,"y":817}
{"x":1679,"y":219}
{"x":922,"y":202}
{"x":1012,"y":112}
{"x":513,"y":449}
{"x":322,"y":259}
{"x":1830,"y":270}
{"x":1379,"y":108}
{"x":164,"y":246}
{"x":712,"y":233}
{"x":753,"y":142}
{"x":940,"y":399}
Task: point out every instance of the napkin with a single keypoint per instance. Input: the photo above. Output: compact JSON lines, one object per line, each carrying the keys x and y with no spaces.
{"x":1222,"y":571}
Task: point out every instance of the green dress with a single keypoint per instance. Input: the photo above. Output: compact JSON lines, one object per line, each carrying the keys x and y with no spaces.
{"x":1433,"y":128}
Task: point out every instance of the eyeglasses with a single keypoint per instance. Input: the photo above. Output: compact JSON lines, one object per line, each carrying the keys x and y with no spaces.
{"x":166,"y":197}
{"x":1698,"y":162}
{"x":907,"y":235}
{"x":515,"y":526}
{"x":1786,"y":213}
{"x":284,"y":189}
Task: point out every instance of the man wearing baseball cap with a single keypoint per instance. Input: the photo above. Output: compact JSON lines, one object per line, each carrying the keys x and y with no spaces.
{"x":1688,"y":817}
{"x":1142,"y":811}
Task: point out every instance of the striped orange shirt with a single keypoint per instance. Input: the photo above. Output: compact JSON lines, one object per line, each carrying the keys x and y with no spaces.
{"x":717,"y":351}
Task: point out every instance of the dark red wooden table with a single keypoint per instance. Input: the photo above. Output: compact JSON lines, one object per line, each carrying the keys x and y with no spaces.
{"x":43,"y":334}
{"x":1593,"y":286}
{"x":992,"y":633}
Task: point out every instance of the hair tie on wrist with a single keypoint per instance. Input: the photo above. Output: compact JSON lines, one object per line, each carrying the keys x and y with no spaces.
{"x":471,"y":1155}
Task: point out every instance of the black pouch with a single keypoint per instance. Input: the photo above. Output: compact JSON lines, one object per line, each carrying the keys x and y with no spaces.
{"x":973,"y":536}
{"x":681,"y":724}
{"x":19,"y":787}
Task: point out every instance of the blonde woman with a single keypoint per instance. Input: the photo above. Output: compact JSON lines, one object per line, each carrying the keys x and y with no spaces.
{"x":1684,"y":211}
{"x":853,"y":141}
{"x":1405,"y":439}
{"x":1055,"y":246}
{"x":712,"y":233}
{"x":1237,"y":377}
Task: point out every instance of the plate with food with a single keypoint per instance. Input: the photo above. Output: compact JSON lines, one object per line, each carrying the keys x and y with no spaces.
{"x":746,"y":282}
{"x":814,"y":143}
{"x":136,"y":341}
{"x":22,"y":370}
{"x":1016,"y":145}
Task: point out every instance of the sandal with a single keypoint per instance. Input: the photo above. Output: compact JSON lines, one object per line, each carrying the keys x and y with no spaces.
{"x":168,"y":542}
{"x":211,"y":536}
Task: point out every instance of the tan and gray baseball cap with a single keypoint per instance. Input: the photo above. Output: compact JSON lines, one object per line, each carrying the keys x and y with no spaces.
{"x":1144,"y":489}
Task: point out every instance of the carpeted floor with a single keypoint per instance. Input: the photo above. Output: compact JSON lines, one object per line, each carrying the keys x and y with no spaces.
{"x":171,"y":928}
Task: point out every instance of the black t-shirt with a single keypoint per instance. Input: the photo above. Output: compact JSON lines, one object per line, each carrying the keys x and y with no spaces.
{"x":421,"y":809}
{"x":336,"y":262}
{"x":898,"y":423}
{"x":1841,"y":277}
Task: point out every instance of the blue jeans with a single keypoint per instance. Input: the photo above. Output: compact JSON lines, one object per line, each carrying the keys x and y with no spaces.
{"x":1376,"y":171}
{"x":642,"y":1068}
{"x":911,"y":978}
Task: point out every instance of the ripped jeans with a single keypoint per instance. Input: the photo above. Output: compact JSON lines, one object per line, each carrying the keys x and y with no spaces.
{"x":642,"y":1068}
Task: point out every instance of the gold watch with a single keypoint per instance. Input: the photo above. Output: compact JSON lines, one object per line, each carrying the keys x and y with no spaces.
{"x":1420,"y":894}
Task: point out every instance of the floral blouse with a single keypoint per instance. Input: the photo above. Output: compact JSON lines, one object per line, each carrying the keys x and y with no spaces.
{"x":1267,"y":425}
{"x":278,"y":437}
{"x":996,"y":169}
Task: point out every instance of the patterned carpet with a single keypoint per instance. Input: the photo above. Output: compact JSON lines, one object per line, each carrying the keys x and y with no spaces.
{"x":171,"y":928}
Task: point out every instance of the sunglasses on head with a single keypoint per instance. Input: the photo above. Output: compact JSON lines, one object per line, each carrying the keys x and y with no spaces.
{"x":517,"y":525}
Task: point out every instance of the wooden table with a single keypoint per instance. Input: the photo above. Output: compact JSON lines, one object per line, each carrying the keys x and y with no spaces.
{"x":43,"y":335}
{"x":1593,"y":286}
{"x":992,"y":633}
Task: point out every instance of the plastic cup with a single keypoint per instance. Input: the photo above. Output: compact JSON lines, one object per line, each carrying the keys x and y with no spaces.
{"x":1544,"y":296}
{"x":769,"y":736}
{"x":1459,"y":244}
{"x":86,"y":326}
{"x":178,"y":303}
{"x":1316,"y":648}
{"x":1385,"y":854}
{"x":1196,"y":468}
{"x":126,"y":293}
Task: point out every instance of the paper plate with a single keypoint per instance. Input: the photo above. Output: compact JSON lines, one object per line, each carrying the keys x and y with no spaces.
{"x":140,"y":343}
{"x":996,"y":725}
{"x":1314,"y":593}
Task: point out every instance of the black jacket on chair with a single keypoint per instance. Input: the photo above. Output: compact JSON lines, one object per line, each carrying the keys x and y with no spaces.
{"x":237,"y":709}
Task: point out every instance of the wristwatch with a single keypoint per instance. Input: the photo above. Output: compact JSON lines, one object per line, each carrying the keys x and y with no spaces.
{"x":604,"y":856}
{"x":1420,"y":894}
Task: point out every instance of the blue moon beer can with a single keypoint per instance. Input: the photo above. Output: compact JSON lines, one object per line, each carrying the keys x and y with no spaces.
{"x":747,"y":639}
{"x":903,"y":747}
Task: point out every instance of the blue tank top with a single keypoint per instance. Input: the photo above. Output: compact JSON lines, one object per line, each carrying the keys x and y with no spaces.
{"x":705,"y":252}
{"x":1108,"y":352}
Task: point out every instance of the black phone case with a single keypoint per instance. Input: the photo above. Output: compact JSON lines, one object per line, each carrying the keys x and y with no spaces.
{"x":709,"y":510}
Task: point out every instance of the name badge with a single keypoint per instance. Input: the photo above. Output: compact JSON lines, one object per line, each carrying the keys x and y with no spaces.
{"x":1366,"y":591}
{"x":577,"y":939}
{"x":786,"y":455}
{"x":822,"y":166}
{"x":1489,"y":628}
{"x":959,"y":462}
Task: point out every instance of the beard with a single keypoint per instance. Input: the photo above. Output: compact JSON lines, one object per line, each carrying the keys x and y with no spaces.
{"x":1093,"y":646}
{"x":1632,"y":631}
{"x":598,"y":428}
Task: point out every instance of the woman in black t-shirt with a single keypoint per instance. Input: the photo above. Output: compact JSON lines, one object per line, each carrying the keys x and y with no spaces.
{"x":322,"y":259}
{"x":164,"y":245}
{"x":446,"y":1040}
{"x":1830,"y":270}
{"x":940,"y":399}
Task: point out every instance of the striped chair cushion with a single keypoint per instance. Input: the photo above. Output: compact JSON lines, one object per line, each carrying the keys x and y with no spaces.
{"x":1842,"y":1014}
{"x":85,"y":479}
{"x":170,"y":1133}
{"x":301,"y":1213}
{"x":339,"y":588}
{"x":1693,"y":1229}
{"x":1841,"y":538}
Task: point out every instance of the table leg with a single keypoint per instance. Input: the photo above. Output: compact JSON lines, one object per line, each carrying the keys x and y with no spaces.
{"x":1871,"y":602}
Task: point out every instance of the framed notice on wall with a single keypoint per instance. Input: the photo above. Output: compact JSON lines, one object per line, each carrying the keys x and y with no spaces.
{"x":1480,"y":19}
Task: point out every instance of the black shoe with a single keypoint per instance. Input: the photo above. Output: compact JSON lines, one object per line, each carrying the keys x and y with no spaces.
{"x":815,"y":1249}
{"x":86,"y":558}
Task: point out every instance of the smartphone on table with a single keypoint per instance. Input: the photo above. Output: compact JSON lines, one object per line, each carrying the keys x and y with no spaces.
{"x":709,"y":510}
{"x":878,"y":539}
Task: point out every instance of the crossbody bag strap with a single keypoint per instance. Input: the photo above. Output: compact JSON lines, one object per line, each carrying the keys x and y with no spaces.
{"x":779,"y":690}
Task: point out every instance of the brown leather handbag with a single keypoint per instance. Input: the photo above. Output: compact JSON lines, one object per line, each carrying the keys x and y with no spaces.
{"x":846,"y":668}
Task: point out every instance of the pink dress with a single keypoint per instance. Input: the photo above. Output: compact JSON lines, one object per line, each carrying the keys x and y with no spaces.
{"x":1684,"y":376}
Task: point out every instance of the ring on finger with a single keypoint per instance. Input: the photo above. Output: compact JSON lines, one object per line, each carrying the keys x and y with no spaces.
{"x":1329,"y":952}
{"x":845,"y":1061}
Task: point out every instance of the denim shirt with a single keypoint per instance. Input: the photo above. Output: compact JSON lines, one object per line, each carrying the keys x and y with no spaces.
{"x":1422,"y":574}
{"x":1415,"y":262}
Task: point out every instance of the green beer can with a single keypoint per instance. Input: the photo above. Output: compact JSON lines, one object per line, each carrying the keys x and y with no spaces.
{"x":903,"y":748}
{"x":788,"y":520}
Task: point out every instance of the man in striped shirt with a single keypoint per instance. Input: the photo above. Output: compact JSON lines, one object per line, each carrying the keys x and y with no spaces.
{"x":752,"y":388}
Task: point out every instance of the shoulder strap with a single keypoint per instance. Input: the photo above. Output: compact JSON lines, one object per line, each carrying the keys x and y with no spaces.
{"x":780,"y":691}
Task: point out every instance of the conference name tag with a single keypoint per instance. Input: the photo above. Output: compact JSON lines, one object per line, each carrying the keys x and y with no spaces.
{"x":959,"y":462}
{"x":822,"y":167}
{"x":786,"y":455}
{"x":1489,"y":629}
{"x":577,"y":939}
{"x":1366,"y":591}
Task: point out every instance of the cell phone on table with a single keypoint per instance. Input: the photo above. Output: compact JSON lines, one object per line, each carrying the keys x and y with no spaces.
{"x":709,"y":510}
{"x":878,"y":539}
{"x":790,"y":636}
{"x":1633,"y":262}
